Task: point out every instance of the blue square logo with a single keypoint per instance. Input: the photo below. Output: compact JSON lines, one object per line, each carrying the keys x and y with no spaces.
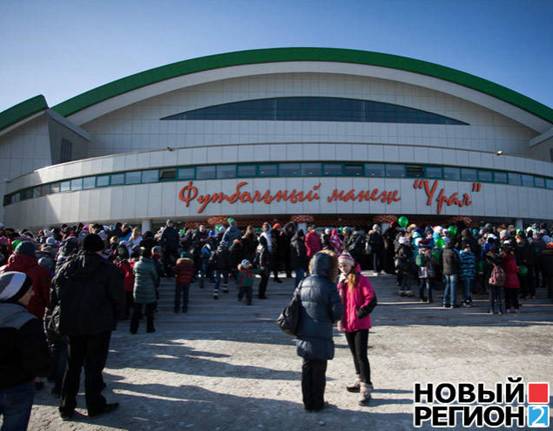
{"x":538,"y":416}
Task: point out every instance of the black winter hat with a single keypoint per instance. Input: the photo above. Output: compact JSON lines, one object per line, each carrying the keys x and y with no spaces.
{"x":93,"y":243}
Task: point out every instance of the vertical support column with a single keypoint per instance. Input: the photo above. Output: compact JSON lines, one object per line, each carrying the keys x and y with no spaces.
{"x":146,"y":225}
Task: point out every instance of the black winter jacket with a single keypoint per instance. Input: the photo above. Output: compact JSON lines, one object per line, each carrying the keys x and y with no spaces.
{"x":320,"y":309}
{"x":298,"y":252}
{"x":86,"y":297}
{"x":23,"y":350}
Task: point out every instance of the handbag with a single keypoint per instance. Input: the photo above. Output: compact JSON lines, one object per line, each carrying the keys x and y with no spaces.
{"x":289,"y":319}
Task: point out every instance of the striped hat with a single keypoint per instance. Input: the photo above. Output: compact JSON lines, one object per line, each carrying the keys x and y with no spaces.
{"x":345,"y":257}
{"x":13,"y":286}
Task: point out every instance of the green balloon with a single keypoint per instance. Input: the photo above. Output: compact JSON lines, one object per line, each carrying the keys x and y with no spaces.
{"x":16,"y":243}
{"x":452,"y":230}
{"x":523,"y":270}
{"x":219,"y":228}
{"x":440,"y":243}
{"x":403,"y":221}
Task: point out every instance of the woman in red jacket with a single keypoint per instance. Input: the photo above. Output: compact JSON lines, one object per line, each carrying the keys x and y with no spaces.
{"x":512,"y":283}
{"x":359,"y":300}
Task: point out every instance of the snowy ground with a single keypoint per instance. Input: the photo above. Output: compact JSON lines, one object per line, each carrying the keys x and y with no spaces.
{"x":226,"y":366}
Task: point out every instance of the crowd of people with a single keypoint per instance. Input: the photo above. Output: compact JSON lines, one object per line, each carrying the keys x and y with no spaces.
{"x":63,"y":289}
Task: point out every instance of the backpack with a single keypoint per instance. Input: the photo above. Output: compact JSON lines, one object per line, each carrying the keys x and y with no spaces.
{"x":497,"y":277}
{"x":289,"y":319}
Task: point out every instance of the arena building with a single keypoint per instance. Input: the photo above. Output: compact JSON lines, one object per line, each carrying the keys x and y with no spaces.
{"x":331,"y":135}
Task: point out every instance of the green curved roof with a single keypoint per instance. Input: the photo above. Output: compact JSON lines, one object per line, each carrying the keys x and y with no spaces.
{"x":22,"y":110}
{"x":272,"y":55}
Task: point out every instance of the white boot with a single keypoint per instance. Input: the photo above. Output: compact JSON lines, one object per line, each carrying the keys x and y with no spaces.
{"x":354,"y":387}
{"x":364,"y":394}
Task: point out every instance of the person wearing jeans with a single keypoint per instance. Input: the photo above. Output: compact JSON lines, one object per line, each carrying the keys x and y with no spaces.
{"x":450,"y":260}
{"x":467,"y":271}
{"x":450,"y":291}
{"x":23,"y":351}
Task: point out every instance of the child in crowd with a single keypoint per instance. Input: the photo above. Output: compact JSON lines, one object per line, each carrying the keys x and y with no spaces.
{"x":246,"y":278}
{"x":184,"y":271}
{"x":426,"y":271}
{"x":467,"y":261}
{"x":404,"y":264}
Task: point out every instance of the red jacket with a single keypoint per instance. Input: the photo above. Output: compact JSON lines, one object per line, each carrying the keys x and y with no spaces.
{"x":510,"y":267}
{"x":353,"y":299}
{"x":40,"y":278}
{"x":126,"y":269}
{"x":184,"y":270}
{"x":312,"y":243}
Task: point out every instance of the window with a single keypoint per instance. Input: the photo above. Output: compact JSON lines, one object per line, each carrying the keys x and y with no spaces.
{"x":527,"y":180}
{"x":26,"y":194}
{"x":289,"y":170}
{"x":247,"y":171}
{"x":485,"y":176}
{"x":37,"y":191}
{"x":500,"y":177}
{"x":414,"y":171}
{"x":77,"y":184}
{"x":226,"y":171}
{"x":268,"y":170}
{"x":89,"y":183}
{"x":55,"y":187}
{"x":150,"y":176}
{"x":539,"y":182}
{"x":353,"y":170}
{"x":452,"y":174}
{"x":515,"y":179}
{"x":433,"y":172}
{"x":469,"y":174}
{"x":206,"y":172}
{"x":117,"y":179}
{"x":133,"y":177}
{"x":102,"y":181}
{"x":185,"y":173}
{"x":7,"y":199}
{"x":375,"y":170}
{"x":311,"y":169}
{"x":314,"y":109}
{"x":167,"y":174}
{"x":549,"y":183}
{"x":395,"y":171}
{"x":65,"y":186}
{"x":332,"y":169}
{"x":16,"y":198}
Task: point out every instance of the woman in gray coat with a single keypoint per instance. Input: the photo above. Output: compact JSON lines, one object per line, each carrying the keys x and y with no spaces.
{"x":144,"y":293}
{"x":320,"y":309}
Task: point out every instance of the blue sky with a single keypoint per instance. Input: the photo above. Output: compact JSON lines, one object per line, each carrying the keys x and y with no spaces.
{"x":62,"y":48}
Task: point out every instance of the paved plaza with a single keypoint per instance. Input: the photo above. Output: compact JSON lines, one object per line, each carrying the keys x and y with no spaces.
{"x":227,"y":366}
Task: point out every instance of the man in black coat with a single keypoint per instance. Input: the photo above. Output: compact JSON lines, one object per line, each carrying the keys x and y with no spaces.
{"x":86,"y":298}
{"x":170,"y":246}
{"x":320,"y":309}
{"x":23,"y":350}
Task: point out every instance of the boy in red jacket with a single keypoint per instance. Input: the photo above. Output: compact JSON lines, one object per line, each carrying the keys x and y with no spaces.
{"x":184,"y":271}
{"x":125,"y":265}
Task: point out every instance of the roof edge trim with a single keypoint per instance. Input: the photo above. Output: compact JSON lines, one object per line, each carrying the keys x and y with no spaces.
{"x":22,"y":110}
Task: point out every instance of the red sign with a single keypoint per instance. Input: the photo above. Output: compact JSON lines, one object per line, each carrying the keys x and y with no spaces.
{"x":190,"y":194}
{"x":442,"y":198}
